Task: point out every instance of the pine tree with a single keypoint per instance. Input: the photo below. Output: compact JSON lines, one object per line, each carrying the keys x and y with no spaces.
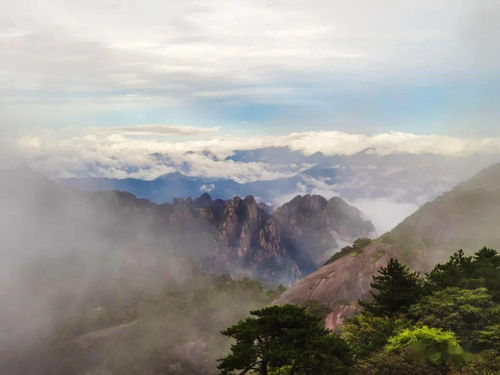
{"x":284,"y":338}
{"x":395,"y":289}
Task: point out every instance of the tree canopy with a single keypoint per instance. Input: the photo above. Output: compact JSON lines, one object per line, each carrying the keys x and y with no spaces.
{"x":284,"y":337}
{"x":446,"y":322}
{"x":394,"y":289}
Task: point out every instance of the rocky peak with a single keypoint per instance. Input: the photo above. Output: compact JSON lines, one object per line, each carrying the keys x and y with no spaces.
{"x":239,"y":236}
{"x":203,"y":200}
{"x":281,"y":246}
{"x":313,"y":227}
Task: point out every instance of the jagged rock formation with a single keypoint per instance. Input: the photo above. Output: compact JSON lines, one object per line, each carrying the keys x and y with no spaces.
{"x":312,"y":226}
{"x":282,"y":246}
{"x":237,"y":236}
{"x":466,"y":217}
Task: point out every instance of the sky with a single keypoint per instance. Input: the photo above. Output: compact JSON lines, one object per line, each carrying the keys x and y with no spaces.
{"x":109,"y":88}
{"x":251,"y":67}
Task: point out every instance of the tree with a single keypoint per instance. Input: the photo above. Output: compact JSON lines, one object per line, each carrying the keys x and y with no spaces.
{"x":388,"y":363}
{"x":487,"y":266}
{"x":396,"y":287}
{"x":462,"y":311}
{"x":489,"y":337}
{"x":287,"y":339}
{"x":366,"y":333}
{"x":316,"y":308}
{"x":429,"y":344}
{"x":456,"y":272}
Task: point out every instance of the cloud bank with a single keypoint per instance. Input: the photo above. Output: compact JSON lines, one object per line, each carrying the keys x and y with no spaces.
{"x":138,"y":152}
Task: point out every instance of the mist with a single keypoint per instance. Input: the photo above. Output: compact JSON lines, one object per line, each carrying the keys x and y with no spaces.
{"x":385,"y":213}
{"x":92,"y":281}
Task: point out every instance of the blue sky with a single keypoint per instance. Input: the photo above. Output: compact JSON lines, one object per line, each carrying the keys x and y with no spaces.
{"x":252,"y":67}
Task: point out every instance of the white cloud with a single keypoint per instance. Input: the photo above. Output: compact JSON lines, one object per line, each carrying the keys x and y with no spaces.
{"x":188,"y":49}
{"x":206,"y":188}
{"x":119,"y":155}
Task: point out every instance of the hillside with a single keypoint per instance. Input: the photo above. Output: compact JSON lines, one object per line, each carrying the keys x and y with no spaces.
{"x":465,"y":217}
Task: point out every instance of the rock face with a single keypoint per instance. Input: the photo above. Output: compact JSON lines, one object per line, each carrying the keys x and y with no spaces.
{"x":282,"y":246}
{"x":240,"y":237}
{"x":464,"y":218}
{"x":312,"y":227}
{"x":237,"y":236}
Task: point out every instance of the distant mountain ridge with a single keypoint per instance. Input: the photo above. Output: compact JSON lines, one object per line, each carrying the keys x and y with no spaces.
{"x":236,"y":236}
{"x":464,"y":218}
{"x":413,"y":178}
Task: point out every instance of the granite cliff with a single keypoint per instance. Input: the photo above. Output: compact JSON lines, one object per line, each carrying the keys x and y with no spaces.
{"x":237,"y":236}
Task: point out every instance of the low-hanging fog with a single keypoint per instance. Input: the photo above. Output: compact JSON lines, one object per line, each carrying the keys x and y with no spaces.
{"x":79,"y":269}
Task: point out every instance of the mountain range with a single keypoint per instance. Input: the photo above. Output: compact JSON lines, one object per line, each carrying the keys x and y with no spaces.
{"x":238,"y":236}
{"x":398,"y":183}
{"x":81,"y":269}
{"x":465,"y":218}
{"x":94,"y":271}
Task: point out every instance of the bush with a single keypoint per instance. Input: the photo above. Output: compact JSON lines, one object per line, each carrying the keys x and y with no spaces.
{"x":428,"y":344}
{"x":367,"y":333}
{"x":461,"y":311}
{"x":385,"y":363}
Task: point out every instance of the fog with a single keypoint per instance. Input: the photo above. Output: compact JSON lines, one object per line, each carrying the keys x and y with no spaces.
{"x":79,"y":270}
{"x":384,"y":213}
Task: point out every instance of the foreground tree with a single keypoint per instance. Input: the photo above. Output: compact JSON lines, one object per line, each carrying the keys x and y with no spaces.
{"x":462,"y":311}
{"x":367,"y":333}
{"x":468,"y":272}
{"x":284,"y":340}
{"x":431,"y":345}
{"x":396,"y":289}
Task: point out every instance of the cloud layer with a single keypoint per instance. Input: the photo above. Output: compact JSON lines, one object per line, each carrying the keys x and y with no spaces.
{"x":138,"y":151}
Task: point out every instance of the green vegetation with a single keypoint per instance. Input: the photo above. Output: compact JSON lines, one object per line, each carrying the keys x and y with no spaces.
{"x":446,"y":322}
{"x":284,"y":340}
{"x":353,"y":249}
{"x":396,"y":288}
{"x":430,"y":344}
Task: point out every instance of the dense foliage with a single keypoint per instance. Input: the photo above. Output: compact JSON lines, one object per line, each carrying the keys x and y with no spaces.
{"x":285,"y":339}
{"x":397,"y":288}
{"x":445,"y":322}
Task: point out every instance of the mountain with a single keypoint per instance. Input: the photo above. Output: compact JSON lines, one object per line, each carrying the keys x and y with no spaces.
{"x":464,"y":218}
{"x":236,"y":236}
{"x":410,"y":178}
{"x":312,"y":226}
{"x":386,"y":187}
{"x":82,"y":274}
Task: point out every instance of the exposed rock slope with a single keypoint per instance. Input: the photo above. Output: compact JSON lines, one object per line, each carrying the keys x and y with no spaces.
{"x":467,"y":217}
